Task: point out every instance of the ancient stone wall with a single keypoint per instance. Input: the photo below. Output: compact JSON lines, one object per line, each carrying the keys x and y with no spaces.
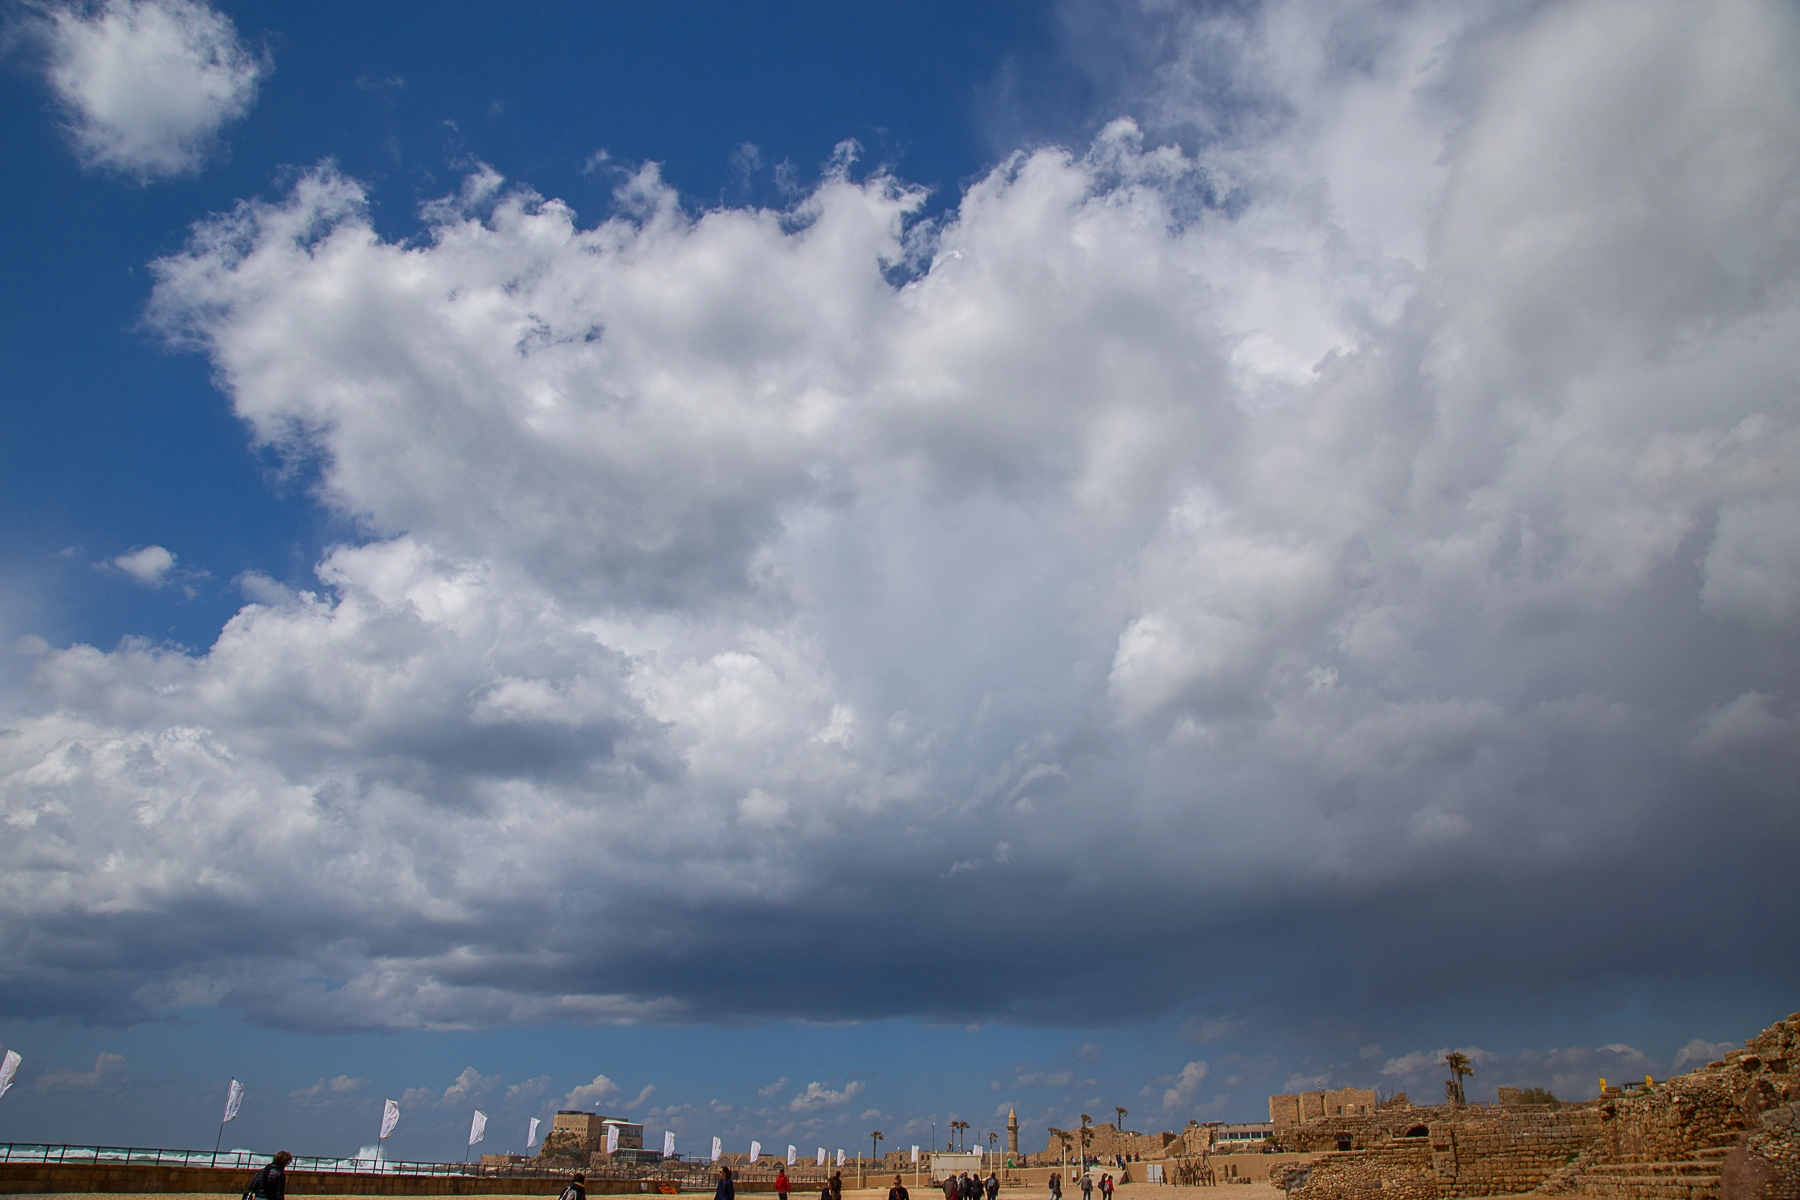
{"x":1767,"y":1165}
{"x":1505,"y":1152}
{"x":1728,"y":1131}
{"x":1106,"y":1141}
{"x":1299,"y":1107}
{"x":1363,"y":1132}
{"x":1398,"y":1172}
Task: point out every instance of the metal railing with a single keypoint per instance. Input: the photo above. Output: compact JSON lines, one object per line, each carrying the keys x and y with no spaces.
{"x":248,"y":1160}
{"x":691,"y":1174}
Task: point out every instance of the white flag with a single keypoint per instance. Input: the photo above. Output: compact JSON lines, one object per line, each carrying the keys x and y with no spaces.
{"x":668,"y":1143}
{"x":793,"y":1153}
{"x":840,"y":1160}
{"x":915,"y":1154}
{"x":821,"y":1156}
{"x":234,"y":1096}
{"x":390,"y":1117}
{"x":612,"y":1138}
{"x":718,"y":1148}
{"x":477,"y":1127}
{"x":9,"y":1070}
{"x":531,"y":1134}
{"x":755,"y":1151}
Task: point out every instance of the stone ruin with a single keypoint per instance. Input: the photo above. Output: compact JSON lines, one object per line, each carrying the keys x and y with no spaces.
{"x":1728,"y":1131}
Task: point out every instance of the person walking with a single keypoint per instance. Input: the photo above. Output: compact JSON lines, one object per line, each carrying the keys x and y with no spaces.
{"x":577,"y":1188}
{"x":781,"y":1182}
{"x":898,"y":1191}
{"x":1055,"y":1185}
{"x":837,"y":1185}
{"x":1087,"y":1186}
{"x":270,"y":1183}
{"x":726,"y":1190}
{"x":993,"y":1186}
{"x":1106,"y":1185}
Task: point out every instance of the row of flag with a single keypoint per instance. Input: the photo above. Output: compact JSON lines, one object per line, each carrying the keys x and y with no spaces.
{"x":390,"y":1119}
{"x":793,"y":1152}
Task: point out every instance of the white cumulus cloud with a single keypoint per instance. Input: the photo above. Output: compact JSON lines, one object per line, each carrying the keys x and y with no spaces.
{"x":600,"y":1088}
{"x":1186,"y":1087}
{"x":1381,"y":497}
{"x":108,"y":1069}
{"x":817,"y":1097}
{"x":147,"y":84}
{"x":149,"y":565}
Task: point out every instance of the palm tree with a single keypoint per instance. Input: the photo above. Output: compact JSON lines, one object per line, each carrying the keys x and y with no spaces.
{"x":958,"y":1126}
{"x":993,"y":1140}
{"x":874,"y":1139}
{"x":1458,"y":1062}
{"x":1063,"y":1136}
{"x":1123,"y":1113}
{"x":1087,"y":1136}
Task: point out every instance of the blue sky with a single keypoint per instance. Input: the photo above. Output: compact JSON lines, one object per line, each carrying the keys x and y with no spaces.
{"x":791,"y":571}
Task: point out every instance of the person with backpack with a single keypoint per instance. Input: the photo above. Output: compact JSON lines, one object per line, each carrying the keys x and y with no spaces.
{"x":270,"y":1183}
{"x":993,"y":1185}
{"x":1055,"y":1185}
{"x":898,"y":1191}
{"x":577,"y":1188}
{"x":1106,"y":1185}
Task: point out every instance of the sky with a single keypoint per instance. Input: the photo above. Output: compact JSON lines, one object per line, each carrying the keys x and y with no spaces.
{"x":782,"y":571}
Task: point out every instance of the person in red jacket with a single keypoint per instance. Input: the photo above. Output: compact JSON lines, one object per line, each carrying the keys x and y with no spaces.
{"x":781,"y":1182}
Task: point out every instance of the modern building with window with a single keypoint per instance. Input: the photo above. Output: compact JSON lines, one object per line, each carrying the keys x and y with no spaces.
{"x":1243,"y":1134}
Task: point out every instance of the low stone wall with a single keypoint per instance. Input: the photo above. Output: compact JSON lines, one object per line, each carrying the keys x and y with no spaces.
{"x":1506,"y":1151}
{"x":1397,"y":1172}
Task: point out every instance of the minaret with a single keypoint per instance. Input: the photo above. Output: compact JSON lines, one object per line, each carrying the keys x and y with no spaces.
{"x":1012,"y":1132}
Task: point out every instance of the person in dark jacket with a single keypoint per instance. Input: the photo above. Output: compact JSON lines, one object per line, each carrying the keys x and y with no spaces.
{"x":577,"y":1188}
{"x":993,"y":1185}
{"x":837,"y":1185}
{"x":726,"y":1189}
{"x":898,"y":1191}
{"x":952,"y":1189}
{"x":270,"y":1183}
